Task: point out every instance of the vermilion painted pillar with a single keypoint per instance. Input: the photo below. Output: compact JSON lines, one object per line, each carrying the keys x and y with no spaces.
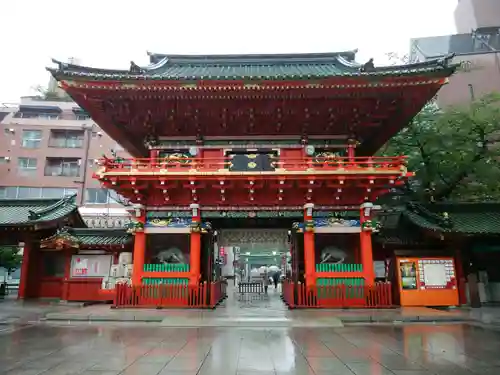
{"x":139,"y":248}
{"x":154,"y":155}
{"x":309,"y":249}
{"x":22,"y":292}
{"x":365,"y":243}
{"x":351,"y":146}
{"x":67,"y":275}
{"x":460,"y":277}
{"x":195,"y":245}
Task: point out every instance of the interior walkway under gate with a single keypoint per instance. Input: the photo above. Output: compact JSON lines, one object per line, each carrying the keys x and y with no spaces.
{"x":253,"y":303}
{"x":266,"y":310}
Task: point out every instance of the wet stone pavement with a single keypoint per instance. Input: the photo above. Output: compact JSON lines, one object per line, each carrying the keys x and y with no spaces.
{"x":453,"y":349}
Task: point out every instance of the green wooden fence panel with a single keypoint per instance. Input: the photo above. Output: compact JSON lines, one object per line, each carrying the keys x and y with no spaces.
{"x":155,"y":292}
{"x":339,"y":267}
{"x":166,"y":268}
{"x":353,"y":287}
{"x":167,"y":281}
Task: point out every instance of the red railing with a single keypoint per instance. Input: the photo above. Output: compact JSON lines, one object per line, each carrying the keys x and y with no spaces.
{"x":297,"y":295}
{"x":217,"y":292}
{"x":169,"y":296}
{"x":394,"y":164}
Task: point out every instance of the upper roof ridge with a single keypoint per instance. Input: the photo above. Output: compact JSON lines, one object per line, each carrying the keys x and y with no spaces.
{"x":257,"y":59}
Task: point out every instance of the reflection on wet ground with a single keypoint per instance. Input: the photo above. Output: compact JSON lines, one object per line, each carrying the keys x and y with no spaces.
{"x":368,"y":350}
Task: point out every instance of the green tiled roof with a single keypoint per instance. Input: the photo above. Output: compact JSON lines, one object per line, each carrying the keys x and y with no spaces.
{"x":403,"y":236}
{"x":251,"y":67}
{"x":89,"y":237}
{"x":33,"y":211}
{"x":462,"y":218}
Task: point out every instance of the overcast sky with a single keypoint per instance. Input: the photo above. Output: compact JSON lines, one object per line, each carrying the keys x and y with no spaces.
{"x":110,"y":33}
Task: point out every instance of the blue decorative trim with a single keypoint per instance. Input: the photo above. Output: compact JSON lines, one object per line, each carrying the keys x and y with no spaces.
{"x":336,"y":222}
{"x":175,"y":222}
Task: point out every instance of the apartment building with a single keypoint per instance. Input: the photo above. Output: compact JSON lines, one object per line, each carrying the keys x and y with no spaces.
{"x":471,"y":15}
{"x":49,"y":149}
{"x":476,"y":47}
{"x":477,"y":52}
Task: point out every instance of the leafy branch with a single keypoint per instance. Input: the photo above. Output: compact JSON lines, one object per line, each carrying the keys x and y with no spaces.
{"x":10,"y":258}
{"x":453,"y":151}
{"x":52,"y":96}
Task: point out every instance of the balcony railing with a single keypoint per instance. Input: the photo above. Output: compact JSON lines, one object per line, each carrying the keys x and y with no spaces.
{"x":192,"y":165}
{"x":65,"y":143}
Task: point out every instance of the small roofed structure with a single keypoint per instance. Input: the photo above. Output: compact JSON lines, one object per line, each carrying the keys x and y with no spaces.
{"x":38,"y":214}
{"x":51,"y":234}
{"x":468,"y":232}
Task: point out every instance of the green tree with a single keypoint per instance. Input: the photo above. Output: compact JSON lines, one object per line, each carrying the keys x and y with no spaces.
{"x":45,"y":94}
{"x":454,"y":152}
{"x":10,"y":258}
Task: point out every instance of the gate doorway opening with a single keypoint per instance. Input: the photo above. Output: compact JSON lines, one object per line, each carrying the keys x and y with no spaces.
{"x":254,"y":255}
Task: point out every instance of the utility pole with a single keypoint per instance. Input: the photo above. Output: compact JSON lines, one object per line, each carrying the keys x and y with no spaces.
{"x":88,"y":132}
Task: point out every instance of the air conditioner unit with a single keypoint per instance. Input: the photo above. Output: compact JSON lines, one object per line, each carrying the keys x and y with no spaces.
{"x":7,"y":158}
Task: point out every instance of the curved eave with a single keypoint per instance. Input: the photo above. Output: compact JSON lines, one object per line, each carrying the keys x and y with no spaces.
{"x":312,"y":66}
{"x":68,"y":69}
{"x":263,"y":87}
{"x":86,"y":76}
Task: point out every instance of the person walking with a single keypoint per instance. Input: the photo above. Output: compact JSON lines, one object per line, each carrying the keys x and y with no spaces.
{"x":276,"y":279}
{"x":265,"y":282}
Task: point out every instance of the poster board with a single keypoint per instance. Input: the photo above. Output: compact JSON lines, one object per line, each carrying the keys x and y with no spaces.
{"x":90,"y":265}
{"x":435,"y":275}
{"x":427,"y":281}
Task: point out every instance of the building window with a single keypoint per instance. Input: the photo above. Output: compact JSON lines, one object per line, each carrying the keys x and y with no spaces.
{"x":24,"y":192}
{"x":26,"y":166}
{"x":41,"y":116}
{"x":8,"y":192}
{"x":96,"y":196}
{"x":70,"y":191}
{"x":29,"y":192}
{"x":114,"y":197}
{"x":66,"y":138}
{"x":48,"y":116}
{"x":4,"y":159}
{"x":32,"y":138}
{"x":62,"y":167}
{"x":82,"y":117}
{"x":58,"y":192}
{"x":53,"y":192}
